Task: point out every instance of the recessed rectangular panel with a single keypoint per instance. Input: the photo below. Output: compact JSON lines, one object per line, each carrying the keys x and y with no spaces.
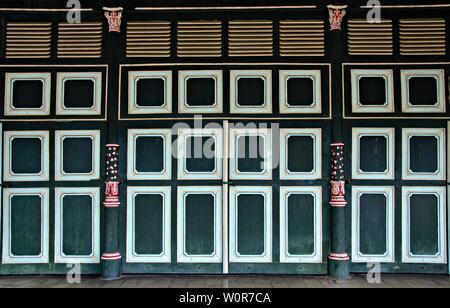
{"x":200,"y":224}
{"x":372,"y":224}
{"x":77,"y":221}
{"x":26,"y":226}
{"x":373,"y":91}
{"x":26,"y":156}
{"x":301,"y":224}
{"x":250,"y":151}
{"x":301,"y":151}
{"x":197,"y":160}
{"x":424,"y":225}
{"x":149,"y":154}
{"x":424,"y":154}
{"x":373,"y":153}
{"x":201,"y":92}
{"x":77,"y":155}
{"x":79,"y":93}
{"x":300,"y":91}
{"x":149,"y":224}
{"x":27,"y":94}
{"x":423,"y":91}
{"x":250,"y":225}
{"x":251,"y":91}
{"x":150,"y":92}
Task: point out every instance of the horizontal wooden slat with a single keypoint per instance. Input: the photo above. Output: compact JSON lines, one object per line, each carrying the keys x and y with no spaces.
{"x":302,"y":38}
{"x":422,"y":37}
{"x":148,"y":39}
{"x":370,"y":39}
{"x":250,"y":38}
{"x":28,"y":40}
{"x":80,"y":40}
{"x":199,"y":38}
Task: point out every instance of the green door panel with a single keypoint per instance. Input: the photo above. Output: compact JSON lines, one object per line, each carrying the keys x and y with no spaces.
{"x":26,"y":226}
{"x":424,"y":234}
{"x":250,"y":224}
{"x":200,"y":216}
{"x":250,"y":154}
{"x":195,"y":156}
{"x":150,"y":154}
{"x":301,"y":228}
{"x":373,"y":228}
{"x":424,"y":154}
{"x":149,"y":215}
{"x":26,"y":155}
{"x":300,"y":154}
{"x":77,"y":155}
{"x":77,"y":225}
{"x":373,"y":154}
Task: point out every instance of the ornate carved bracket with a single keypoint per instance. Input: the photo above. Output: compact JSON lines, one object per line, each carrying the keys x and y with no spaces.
{"x":337,"y":182}
{"x":112,"y":176}
{"x":114,"y":17}
{"x":337,"y":13}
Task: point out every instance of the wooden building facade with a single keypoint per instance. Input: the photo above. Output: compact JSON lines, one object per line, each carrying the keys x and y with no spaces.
{"x":104,"y":103}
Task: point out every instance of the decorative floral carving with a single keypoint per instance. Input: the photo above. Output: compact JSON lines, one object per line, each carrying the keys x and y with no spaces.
{"x":114,"y":17}
{"x":337,"y":14}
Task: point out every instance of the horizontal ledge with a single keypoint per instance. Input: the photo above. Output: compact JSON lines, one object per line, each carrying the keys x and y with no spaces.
{"x":225,"y":8}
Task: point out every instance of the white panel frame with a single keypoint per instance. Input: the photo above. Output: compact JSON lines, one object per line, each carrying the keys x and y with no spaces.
{"x":132,"y":173}
{"x":389,"y":193}
{"x":166,"y":255}
{"x":235,"y":108}
{"x":134,"y":77}
{"x":315,"y":76}
{"x":439,"y":134}
{"x":183,"y":135}
{"x":440,"y":193}
{"x":235,"y":192}
{"x":8,"y":174}
{"x":184,"y":76}
{"x":234,"y":151}
{"x":95,"y":77}
{"x":360,"y":132}
{"x":316,"y":135}
{"x":182,"y":255}
{"x":439,"y":75}
{"x":44,"y":110}
{"x":60,"y":135}
{"x":8,"y":194}
{"x":387,"y":75}
{"x":285,"y":256}
{"x":60,"y":193}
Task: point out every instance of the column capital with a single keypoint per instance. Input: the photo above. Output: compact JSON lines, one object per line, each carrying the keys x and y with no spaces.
{"x":114,"y":17}
{"x":337,"y":13}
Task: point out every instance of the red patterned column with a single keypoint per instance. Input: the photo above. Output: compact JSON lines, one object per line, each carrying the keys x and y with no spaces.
{"x":337,"y":179}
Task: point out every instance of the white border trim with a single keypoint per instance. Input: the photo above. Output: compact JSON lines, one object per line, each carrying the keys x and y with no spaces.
{"x":389,"y":193}
{"x":439,"y":133}
{"x":360,"y":132}
{"x":316,"y":135}
{"x":235,"y":192}
{"x":165,"y":256}
{"x":387,"y":75}
{"x":235,"y":108}
{"x":234,"y":151}
{"x":44,"y":110}
{"x":440,"y":193}
{"x":134,"y":77}
{"x":285,"y":193}
{"x":43,"y":258}
{"x":60,"y":193}
{"x":217,"y":135}
{"x":184,"y":108}
{"x":315,"y":76}
{"x":439,"y":75}
{"x":95,"y":77}
{"x":183,"y":256}
{"x":8,"y":174}
{"x":132,"y":173}
{"x":60,"y":135}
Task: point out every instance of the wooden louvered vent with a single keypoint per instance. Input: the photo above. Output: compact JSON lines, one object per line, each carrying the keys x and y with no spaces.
{"x":422,"y":37}
{"x":80,"y":40}
{"x":370,"y":38}
{"x":200,"y":38}
{"x":251,"y":38}
{"x":149,"y":39}
{"x":28,"y":40}
{"x":302,"y":38}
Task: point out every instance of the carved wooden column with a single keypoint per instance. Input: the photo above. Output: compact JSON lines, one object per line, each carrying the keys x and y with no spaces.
{"x":111,"y":258}
{"x":338,"y":258}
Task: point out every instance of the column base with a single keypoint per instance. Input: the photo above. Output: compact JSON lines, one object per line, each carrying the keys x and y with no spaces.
{"x":111,"y":268}
{"x":339,"y":269}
